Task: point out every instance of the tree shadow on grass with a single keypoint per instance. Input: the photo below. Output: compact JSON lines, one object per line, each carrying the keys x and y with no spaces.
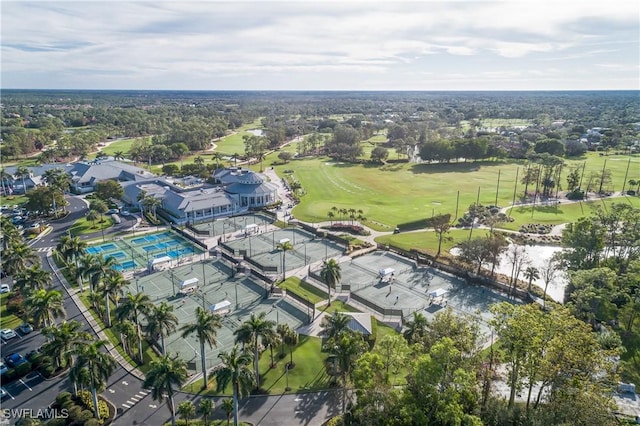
{"x":451,"y":167}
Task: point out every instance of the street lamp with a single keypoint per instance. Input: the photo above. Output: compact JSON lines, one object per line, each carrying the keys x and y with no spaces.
{"x":250,"y":250}
{"x":173,"y":284}
{"x":237,"y":304}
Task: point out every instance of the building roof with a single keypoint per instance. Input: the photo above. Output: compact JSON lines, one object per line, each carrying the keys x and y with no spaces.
{"x":94,"y":171}
{"x":360,"y":322}
{"x":254,"y":189}
{"x":195,"y":200}
{"x":238,"y":174}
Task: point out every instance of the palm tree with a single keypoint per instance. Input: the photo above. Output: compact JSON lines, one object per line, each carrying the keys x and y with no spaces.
{"x":330,"y":274}
{"x":18,"y":258}
{"x":99,"y":364}
{"x":273,"y":340}
{"x":151,"y":204}
{"x":291,"y":340}
{"x":44,"y":307}
{"x":345,"y":350}
{"x":253,"y":330}
{"x":79,"y":376}
{"x":199,"y":161}
{"x":282,"y":329}
{"x":333,"y":326}
{"x":131,"y":308}
{"x":4,"y":179}
{"x":118,"y":155}
{"x":217,"y":157}
{"x":22,"y":172}
{"x":206,"y":329}
{"x":63,"y":339}
{"x":285,"y":247}
{"x":162,"y":321}
{"x":206,"y":407}
{"x":416,"y":328}
{"x":112,"y":288}
{"x":228,"y":408}
{"x":95,"y":268}
{"x":531,"y":273}
{"x":186,"y":410}
{"x":163,"y":378}
{"x":93,"y":215}
{"x":331,"y":215}
{"x":127,"y":331}
{"x":235,"y":371}
{"x":32,"y":278}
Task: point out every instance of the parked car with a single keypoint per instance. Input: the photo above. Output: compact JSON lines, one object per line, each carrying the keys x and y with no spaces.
{"x":15,"y":359}
{"x":25,"y":328}
{"x":3,"y":367}
{"x":112,"y":211}
{"x":125,"y":213}
{"x":3,"y":393}
{"x":7,"y":334}
{"x":4,"y":288}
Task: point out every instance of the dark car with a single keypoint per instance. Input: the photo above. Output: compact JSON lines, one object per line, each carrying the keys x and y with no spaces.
{"x":14,"y":360}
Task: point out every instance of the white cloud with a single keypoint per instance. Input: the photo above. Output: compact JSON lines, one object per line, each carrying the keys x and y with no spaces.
{"x":215,"y":45}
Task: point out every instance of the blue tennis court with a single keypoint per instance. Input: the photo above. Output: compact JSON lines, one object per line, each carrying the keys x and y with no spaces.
{"x":136,"y":252}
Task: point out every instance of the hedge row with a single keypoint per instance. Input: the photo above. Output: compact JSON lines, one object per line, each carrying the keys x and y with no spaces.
{"x":422,"y":223}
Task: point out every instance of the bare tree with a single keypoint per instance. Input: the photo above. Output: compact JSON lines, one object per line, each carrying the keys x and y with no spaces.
{"x":550,"y":271}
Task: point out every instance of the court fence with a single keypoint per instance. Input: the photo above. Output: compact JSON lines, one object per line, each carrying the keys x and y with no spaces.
{"x":189,"y":237}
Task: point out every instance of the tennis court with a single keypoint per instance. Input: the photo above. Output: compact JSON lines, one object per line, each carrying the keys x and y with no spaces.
{"x":392,"y":282}
{"x":135,"y":252}
{"x":235,"y":223}
{"x":263,"y":249}
{"x":218,"y":285}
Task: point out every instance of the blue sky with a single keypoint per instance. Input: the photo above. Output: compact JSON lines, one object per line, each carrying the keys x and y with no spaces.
{"x":321,"y":45}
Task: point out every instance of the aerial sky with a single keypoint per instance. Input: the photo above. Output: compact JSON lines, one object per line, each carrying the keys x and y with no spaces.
{"x":321,"y":45}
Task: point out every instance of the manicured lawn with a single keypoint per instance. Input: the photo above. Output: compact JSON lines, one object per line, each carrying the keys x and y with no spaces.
{"x":7,"y":320}
{"x":308,"y":373}
{"x":84,"y":226}
{"x":303,"y":289}
{"x":233,"y":144}
{"x":123,"y":145}
{"x":12,"y":200}
{"x":563,"y":213}
{"x":396,"y":193}
{"x":428,"y":241}
{"x":337,"y":306}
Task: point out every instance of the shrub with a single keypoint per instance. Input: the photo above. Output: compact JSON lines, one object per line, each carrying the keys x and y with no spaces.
{"x":336,"y":421}
{"x":575,"y":195}
{"x":9,"y":375}
{"x":92,"y":422}
{"x":23,"y":369}
{"x":62,"y":397}
{"x":75,"y":412}
{"x":46,"y":370}
{"x":87,"y":400}
{"x":85,"y":415}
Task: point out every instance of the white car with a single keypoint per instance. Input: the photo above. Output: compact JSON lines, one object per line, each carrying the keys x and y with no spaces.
{"x":7,"y":334}
{"x":3,"y":393}
{"x":4,"y":288}
{"x":3,"y":367}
